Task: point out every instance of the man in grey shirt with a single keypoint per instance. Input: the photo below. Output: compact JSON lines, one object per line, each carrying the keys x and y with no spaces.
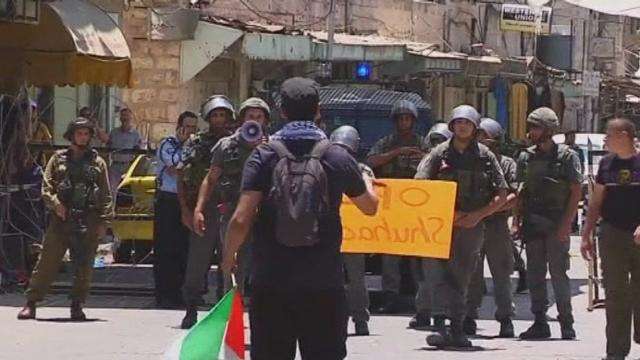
{"x":124,"y":137}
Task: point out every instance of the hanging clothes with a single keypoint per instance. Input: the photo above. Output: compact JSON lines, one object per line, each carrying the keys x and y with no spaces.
{"x":519,"y":109}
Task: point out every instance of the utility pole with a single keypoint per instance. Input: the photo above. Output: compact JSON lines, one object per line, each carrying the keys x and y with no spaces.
{"x":330,"y":31}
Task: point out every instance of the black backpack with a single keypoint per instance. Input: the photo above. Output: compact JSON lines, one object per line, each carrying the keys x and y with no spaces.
{"x":299,"y":193}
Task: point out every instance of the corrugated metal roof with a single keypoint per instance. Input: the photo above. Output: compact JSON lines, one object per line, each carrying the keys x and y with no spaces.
{"x":362,"y":40}
{"x":369,"y":98}
{"x":629,"y":8}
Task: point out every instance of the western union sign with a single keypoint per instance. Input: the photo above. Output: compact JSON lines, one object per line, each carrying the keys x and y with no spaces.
{"x":523,"y":18}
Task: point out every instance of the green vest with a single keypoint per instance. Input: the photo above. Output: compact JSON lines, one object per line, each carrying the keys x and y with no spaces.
{"x":235,"y":154}
{"x":474,"y":179}
{"x":78,"y":190}
{"x":402,"y":167}
{"x":546,"y":189}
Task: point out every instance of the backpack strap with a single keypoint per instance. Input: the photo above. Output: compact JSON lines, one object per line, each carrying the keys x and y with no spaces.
{"x":281,"y":149}
{"x":320,"y":148}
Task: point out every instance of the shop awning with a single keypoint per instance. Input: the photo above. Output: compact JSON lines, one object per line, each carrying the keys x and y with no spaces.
{"x":74,"y":43}
{"x":348,"y":47}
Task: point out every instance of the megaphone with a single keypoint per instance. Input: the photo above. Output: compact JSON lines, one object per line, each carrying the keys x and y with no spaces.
{"x":251,"y":133}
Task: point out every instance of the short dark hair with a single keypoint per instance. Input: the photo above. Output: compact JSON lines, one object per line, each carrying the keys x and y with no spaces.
{"x":624,"y":124}
{"x":185,"y":115}
{"x":300,"y":99}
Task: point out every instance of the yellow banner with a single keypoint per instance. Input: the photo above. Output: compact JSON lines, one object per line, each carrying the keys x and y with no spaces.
{"x":415,"y":218}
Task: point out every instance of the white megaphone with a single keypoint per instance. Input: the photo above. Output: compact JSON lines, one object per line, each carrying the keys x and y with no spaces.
{"x":251,"y":133}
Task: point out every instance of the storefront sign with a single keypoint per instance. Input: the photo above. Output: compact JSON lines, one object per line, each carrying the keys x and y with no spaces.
{"x":523,"y":18}
{"x":415,"y":218}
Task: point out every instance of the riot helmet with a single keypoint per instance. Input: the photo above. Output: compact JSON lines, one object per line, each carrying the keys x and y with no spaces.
{"x":492,"y":129}
{"x":438,"y":134}
{"x":402,"y":107}
{"x":217,"y":102}
{"x":466,"y":112}
{"x":346,"y":136}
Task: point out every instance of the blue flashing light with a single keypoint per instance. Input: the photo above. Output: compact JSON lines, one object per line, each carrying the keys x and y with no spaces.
{"x":363,"y":71}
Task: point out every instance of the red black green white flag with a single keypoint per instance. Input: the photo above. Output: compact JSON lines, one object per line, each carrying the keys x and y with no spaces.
{"x":220,"y":334}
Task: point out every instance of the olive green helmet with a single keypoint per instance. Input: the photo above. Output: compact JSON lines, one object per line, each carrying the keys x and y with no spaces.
{"x":544,"y":117}
{"x":79,"y":123}
{"x":254,"y":103}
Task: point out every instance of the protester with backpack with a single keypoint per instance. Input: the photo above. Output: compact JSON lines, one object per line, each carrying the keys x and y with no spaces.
{"x":293,"y":187}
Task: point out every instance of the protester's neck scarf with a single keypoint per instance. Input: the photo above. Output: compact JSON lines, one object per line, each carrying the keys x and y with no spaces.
{"x":300,"y":130}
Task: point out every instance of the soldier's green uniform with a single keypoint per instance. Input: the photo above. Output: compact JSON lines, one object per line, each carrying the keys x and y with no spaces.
{"x":479,"y":177}
{"x":401,"y":167}
{"x":497,"y":247}
{"x":82,"y":186}
{"x":546,"y":178}
{"x":196,"y":161}
{"x":426,"y":272}
{"x":230,"y":154}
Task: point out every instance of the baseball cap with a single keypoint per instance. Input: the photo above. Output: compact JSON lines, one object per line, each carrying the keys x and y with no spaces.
{"x":299,"y":95}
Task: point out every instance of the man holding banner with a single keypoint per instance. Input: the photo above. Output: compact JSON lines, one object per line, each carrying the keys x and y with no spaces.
{"x":397,"y":156}
{"x":481,"y":192}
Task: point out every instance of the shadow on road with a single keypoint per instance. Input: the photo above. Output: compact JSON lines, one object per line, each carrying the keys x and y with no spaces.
{"x":68,"y":320}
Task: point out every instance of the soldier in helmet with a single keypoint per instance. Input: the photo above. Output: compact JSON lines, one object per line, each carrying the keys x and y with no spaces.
{"x":549,"y":192}
{"x":497,"y":246}
{"x":357,"y":294}
{"x":76,"y":190}
{"x":225,"y":172}
{"x":397,"y":156}
{"x":425,"y":271}
{"x":217,"y":111}
{"x":481,"y":192}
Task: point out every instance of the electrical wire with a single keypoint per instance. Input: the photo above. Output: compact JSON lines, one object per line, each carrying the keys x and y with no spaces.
{"x":254,"y":10}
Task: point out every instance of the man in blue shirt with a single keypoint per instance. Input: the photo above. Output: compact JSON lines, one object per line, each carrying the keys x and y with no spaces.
{"x":297,"y":292}
{"x":170,"y":238}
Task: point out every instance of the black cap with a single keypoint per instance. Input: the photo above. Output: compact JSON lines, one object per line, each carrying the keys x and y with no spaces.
{"x":300,"y":96}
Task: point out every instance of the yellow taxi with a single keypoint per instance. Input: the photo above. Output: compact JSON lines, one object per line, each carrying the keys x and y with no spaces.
{"x":133,"y":222}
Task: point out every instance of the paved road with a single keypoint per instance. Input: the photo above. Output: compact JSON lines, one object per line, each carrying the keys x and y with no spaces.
{"x":127,"y":328}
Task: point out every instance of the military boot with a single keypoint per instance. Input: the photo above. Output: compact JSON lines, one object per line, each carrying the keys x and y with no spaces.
{"x":190,"y":318}
{"x":362,"y":328}
{"x":76,"y":311}
{"x":454,"y":338}
{"x":28,"y":312}
{"x":469,"y":326}
{"x":567,"y":332}
{"x":420,"y":320}
{"x":539,"y":329}
{"x":506,"y":329}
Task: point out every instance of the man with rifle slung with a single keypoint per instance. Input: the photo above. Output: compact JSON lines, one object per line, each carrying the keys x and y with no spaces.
{"x":76,"y":190}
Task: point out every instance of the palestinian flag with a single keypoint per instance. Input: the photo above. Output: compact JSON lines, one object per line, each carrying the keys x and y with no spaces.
{"x":220,"y":334}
